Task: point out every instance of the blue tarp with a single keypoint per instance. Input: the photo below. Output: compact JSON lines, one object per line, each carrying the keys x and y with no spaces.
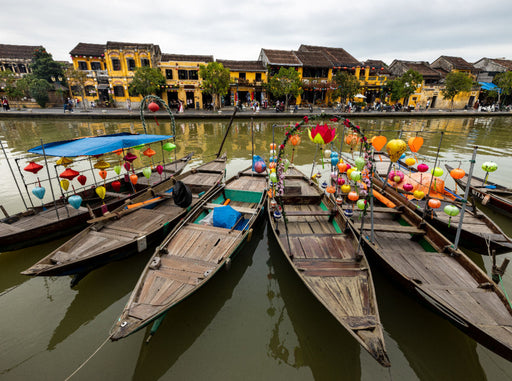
{"x":225,"y":217}
{"x":96,"y":145}
{"x":489,"y":86}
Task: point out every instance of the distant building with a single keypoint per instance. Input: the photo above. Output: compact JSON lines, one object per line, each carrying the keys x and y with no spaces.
{"x":489,"y":67}
{"x":90,"y":58}
{"x":247,"y":79}
{"x":17,"y":58}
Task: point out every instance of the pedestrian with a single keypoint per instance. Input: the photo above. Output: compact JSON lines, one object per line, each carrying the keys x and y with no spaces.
{"x":428,"y":105}
{"x":129,"y":105}
{"x":5,"y":104}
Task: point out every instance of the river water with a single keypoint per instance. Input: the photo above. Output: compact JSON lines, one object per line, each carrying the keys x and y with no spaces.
{"x":255,"y":321}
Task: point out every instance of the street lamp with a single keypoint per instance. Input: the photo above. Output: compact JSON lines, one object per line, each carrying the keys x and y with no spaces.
{"x":57,"y":79}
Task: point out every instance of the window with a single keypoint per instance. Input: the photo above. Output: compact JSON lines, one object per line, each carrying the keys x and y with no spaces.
{"x":82,"y":65}
{"x":116,"y":64}
{"x":22,"y":68}
{"x":182,"y":74}
{"x":168,"y":73}
{"x":258,"y":77}
{"x":192,"y":74}
{"x":241,"y":75}
{"x":144,"y":62}
{"x":95,"y":66}
{"x":90,"y":90}
{"x":119,"y":91}
{"x":130,"y":63}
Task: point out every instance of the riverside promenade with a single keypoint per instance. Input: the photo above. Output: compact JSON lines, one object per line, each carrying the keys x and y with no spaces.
{"x":226,"y":112}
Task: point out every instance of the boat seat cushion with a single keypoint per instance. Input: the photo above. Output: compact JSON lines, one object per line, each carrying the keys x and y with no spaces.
{"x":225,"y":217}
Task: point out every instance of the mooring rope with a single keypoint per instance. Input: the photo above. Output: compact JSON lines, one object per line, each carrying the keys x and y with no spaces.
{"x":86,"y":361}
{"x":504,"y":291}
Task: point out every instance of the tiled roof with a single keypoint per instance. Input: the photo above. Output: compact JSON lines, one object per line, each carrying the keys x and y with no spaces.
{"x":337,"y":56}
{"x":18,"y":51}
{"x":503,"y":62}
{"x":92,"y":50}
{"x":378,"y":65}
{"x":420,"y":66}
{"x":313,"y":59}
{"x":281,"y":57}
{"x":458,"y":63}
{"x":185,"y":58}
{"x":131,"y":45}
{"x":243,"y":65}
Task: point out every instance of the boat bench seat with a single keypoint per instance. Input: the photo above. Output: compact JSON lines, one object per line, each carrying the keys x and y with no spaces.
{"x":114,"y":194}
{"x":240,"y":209}
{"x":296,"y":213}
{"x":396,"y":229}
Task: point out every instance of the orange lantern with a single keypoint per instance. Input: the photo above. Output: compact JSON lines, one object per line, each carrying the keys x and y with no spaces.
{"x":273,"y":146}
{"x":149,"y":152}
{"x":342,"y":167}
{"x":134,"y":178}
{"x":353,"y":196}
{"x":351,"y":139}
{"x":415,"y":143}
{"x":272,"y":165}
{"x":434,"y":203}
{"x":295,"y":139}
{"x":330,"y":189}
{"x":457,"y":173}
{"x":103,"y":174}
{"x":378,"y":142}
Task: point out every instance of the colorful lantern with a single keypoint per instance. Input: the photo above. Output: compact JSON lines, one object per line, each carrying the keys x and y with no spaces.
{"x":64,"y":161}
{"x":69,"y":174}
{"x":103,"y":174}
{"x":159,"y":169}
{"x":349,"y":172}
{"x":489,"y":166}
{"x":126,"y":166}
{"x":342,"y":167}
{"x":129,"y":157}
{"x":452,"y":211}
{"x":64,"y":184}
{"x":359,"y":162}
{"x":39,"y":192}
{"x":153,"y":107}
{"x":395,"y":148}
{"x":396,"y":176}
{"x":273,"y":177}
{"x":334,"y":160}
{"x":117,"y":169}
{"x":101,"y":191}
{"x":116,"y":186}
{"x":422,"y":168}
{"x":134,"y":179}
{"x":294,"y":140}
{"x":340,"y":181}
{"x":378,"y":142}
{"x":415,"y":143}
{"x":410,"y":161}
{"x":101,"y":164}
{"x":437,"y":172}
{"x":149,"y":152}
{"x":33,"y":167}
{"x":82,"y":179}
{"x":361,"y":204}
{"x":169,"y":147}
{"x":330,"y":189}
{"x":434,"y":203}
{"x":75,"y":201}
{"x":118,"y":152}
{"x":355,"y":175}
{"x":327,"y":153}
{"x":147,"y":172}
{"x":345,"y":188}
{"x":418,"y":195}
{"x":353,"y":196}
{"x":408,"y":187}
{"x":322,"y":134}
{"x":273,"y":146}
{"x":351,"y":140}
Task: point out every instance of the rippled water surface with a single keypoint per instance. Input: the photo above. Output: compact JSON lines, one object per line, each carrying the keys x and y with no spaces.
{"x":254,"y":322}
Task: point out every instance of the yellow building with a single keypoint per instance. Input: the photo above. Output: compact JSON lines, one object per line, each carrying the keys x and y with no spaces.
{"x":90,"y":58}
{"x":246,"y":81}
{"x":122,"y":59}
{"x":182,"y":80}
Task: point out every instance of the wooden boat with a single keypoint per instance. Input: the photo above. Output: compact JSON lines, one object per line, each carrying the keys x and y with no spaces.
{"x":479,"y":233}
{"x":490,"y":194}
{"x":56,"y":219}
{"x":424,"y":262}
{"x":325,"y":255}
{"x":192,"y":253}
{"x":132,"y":227}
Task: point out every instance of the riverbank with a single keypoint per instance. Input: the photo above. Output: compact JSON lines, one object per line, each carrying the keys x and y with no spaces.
{"x":225,"y":113}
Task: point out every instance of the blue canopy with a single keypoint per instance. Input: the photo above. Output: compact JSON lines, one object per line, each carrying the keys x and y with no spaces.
{"x":96,"y":145}
{"x":489,"y":86}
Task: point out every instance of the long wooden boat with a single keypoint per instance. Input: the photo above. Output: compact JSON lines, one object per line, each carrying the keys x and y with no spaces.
{"x":193,"y":252}
{"x":325,"y":255}
{"x":132,"y":227}
{"x":424,"y":262}
{"x":56,"y":219}
{"x":490,"y":194}
{"x":479,"y":233}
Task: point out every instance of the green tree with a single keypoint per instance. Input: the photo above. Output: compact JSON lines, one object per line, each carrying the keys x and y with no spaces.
{"x":410,"y":82}
{"x":77,"y":79}
{"x":44,"y":67}
{"x":455,"y":83}
{"x":215,"y":80}
{"x":347,"y":86}
{"x":504,"y":82}
{"x":396,"y":89}
{"x":286,"y":83}
{"x":8,"y":82}
{"x":146,"y":81}
{"x":38,"y":89}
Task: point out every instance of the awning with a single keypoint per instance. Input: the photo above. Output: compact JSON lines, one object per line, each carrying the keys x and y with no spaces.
{"x":489,"y":86}
{"x":96,"y":145}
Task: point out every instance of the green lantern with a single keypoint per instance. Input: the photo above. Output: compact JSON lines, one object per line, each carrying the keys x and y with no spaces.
{"x":359,"y":162}
{"x":361,"y":203}
{"x":273,"y":177}
{"x":355,"y":175}
{"x":169,"y":146}
{"x":117,"y":169}
{"x":489,"y":166}
{"x":452,"y":211}
{"x":147,"y":172}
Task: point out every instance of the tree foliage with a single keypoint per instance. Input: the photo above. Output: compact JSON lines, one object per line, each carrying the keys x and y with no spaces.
{"x":285,"y":83}
{"x":215,"y":80}
{"x":8,"y":82}
{"x":455,"y":83}
{"x":504,"y":82}
{"x":77,"y":79}
{"x":44,"y":67}
{"x":347,"y":86}
{"x":36,"y":88}
{"x":146,"y":81}
{"x":404,"y":86}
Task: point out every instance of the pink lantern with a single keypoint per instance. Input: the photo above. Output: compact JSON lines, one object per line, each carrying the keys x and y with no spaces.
{"x":159,"y":169}
{"x":408,"y":187}
{"x":422,"y":168}
{"x":153,"y":107}
{"x":126,"y":166}
{"x":396,"y":176}
{"x":129,"y":157}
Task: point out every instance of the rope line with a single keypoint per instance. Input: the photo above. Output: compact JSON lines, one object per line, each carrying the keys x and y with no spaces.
{"x":504,"y":291}
{"x":86,"y":361}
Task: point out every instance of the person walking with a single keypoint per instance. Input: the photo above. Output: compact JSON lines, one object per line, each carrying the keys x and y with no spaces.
{"x":5,"y":104}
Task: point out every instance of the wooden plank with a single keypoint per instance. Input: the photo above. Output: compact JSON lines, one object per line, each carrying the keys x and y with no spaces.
{"x":361,"y":322}
{"x":395,"y":228}
{"x":237,"y":208}
{"x":332,"y":272}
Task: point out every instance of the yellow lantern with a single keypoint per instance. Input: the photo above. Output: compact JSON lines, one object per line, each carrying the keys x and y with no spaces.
{"x":64,"y":184}
{"x":395,"y":149}
{"x":101,"y":191}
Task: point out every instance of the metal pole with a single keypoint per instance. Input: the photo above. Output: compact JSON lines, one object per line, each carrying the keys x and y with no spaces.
{"x":466,"y":193}
{"x":432,"y":178}
{"x":50,"y":181}
{"x":252,"y":146}
{"x":24,"y":183}
{"x":12,"y":173}
{"x":227,"y":131}
{"x":61,"y":192}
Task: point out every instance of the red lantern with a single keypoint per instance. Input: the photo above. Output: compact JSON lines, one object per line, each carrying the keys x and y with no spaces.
{"x":149,"y":152}
{"x":153,"y":107}
{"x":82,"y":179}
{"x":129,"y":157}
{"x":33,"y":167}
{"x":69,"y":174}
{"x":103,"y":174}
{"x":116,"y":186}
